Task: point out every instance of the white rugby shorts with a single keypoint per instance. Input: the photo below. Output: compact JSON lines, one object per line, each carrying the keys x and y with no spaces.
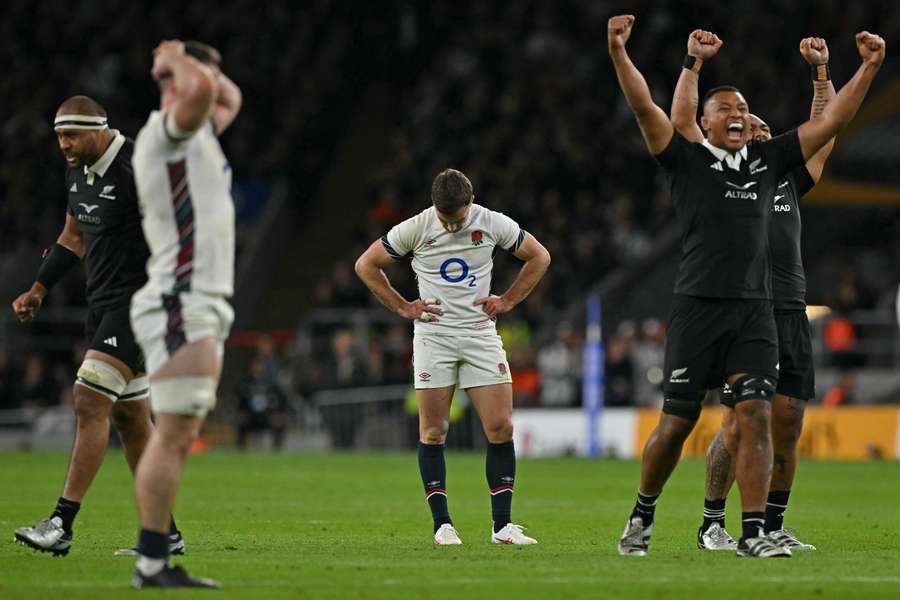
{"x":465,"y":361}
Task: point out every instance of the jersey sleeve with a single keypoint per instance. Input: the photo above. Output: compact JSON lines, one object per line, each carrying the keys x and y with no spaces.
{"x":803,"y":181}
{"x":401,"y":240}
{"x":507,"y":233}
{"x":671,"y":157}
{"x":783,"y":153}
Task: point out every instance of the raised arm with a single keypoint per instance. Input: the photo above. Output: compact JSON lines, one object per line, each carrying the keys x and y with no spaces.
{"x":370,"y":268}
{"x":228,"y":103}
{"x":655,"y":125}
{"x":701,"y":46}
{"x":815,"y":52}
{"x":194,"y":83}
{"x":537,"y":260}
{"x":815,"y":133}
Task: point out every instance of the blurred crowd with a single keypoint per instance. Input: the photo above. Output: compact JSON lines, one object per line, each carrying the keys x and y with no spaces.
{"x":519,"y":95}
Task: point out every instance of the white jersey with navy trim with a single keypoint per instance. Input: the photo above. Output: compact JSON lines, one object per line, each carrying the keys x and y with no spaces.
{"x":183,"y":185}
{"x":454,"y":268}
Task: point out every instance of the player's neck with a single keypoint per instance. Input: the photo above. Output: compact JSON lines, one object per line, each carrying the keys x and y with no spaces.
{"x":106,"y":139}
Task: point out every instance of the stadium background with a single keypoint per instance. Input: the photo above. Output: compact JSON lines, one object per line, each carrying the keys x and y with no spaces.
{"x":349,"y":112}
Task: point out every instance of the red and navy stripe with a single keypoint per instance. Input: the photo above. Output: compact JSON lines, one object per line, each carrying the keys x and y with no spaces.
{"x":501,"y":489}
{"x":184,"y":221}
{"x":175,"y":336}
{"x":433,"y":491}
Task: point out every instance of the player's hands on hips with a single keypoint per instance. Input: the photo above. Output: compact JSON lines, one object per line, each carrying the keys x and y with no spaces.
{"x":703,"y":44}
{"x":162,"y":54}
{"x":871,"y":47}
{"x":618,"y":30}
{"x":494,"y":305}
{"x":423,"y":310}
{"x":814,"y":50}
{"x":27,"y":305}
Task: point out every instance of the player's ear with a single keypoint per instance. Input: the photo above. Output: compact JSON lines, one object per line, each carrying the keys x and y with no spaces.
{"x":704,"y":123}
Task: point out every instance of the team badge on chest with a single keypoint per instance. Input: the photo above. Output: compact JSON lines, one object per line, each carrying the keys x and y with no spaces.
{"x":477,"y":238}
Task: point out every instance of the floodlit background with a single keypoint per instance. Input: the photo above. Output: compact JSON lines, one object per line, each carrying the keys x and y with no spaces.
{"x":352,"y":108}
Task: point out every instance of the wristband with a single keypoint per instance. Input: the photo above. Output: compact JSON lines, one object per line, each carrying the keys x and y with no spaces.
{"x":692,"y":63}
{"x":57,"y":262}
{"x":820,"y":72}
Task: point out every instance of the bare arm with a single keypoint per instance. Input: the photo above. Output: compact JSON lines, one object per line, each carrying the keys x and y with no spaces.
{"x":815,"y":133}
{"x":195,"y":85}
{"x":537,"y":260}
{"x":702,"y":45}
{"x":228,"y":103}
{"x":370,"y":269}
{"x":655,"y":125}
{"x":815,"y":52}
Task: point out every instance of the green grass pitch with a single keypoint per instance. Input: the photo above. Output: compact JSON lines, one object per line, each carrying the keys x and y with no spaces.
{"x":356,"y":526}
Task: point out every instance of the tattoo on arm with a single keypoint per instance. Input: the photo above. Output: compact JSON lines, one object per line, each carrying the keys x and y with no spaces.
{"x":822,"y":93}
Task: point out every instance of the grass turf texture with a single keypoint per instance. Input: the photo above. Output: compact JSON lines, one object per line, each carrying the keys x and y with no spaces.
{"x":357,"y":526}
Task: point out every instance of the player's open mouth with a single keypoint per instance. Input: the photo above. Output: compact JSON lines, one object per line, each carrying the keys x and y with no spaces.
{"x":71,"y":160}
{"x":735,"y":131}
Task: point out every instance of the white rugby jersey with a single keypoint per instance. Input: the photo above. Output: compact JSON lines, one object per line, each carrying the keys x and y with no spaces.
{"x":184,"y":190}
{"x":455,"y":267}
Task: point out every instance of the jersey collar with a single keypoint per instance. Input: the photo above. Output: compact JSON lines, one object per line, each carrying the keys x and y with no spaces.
{"x":100,"y":167}
{"x":732,"y":160}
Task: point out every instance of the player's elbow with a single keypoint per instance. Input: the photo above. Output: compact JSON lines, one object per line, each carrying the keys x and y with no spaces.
{"x":362,"y":267}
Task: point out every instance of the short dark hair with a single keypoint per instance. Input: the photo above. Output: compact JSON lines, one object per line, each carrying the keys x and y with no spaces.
{"x":451,"y":191}
{"x":716,"y":90}
{"x":81,"y":105}
{"x":203,"y":52}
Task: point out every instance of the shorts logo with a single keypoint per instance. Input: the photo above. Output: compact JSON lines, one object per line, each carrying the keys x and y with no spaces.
{"x":502,"y":368}
{"x":74,"y":187}
{"x":676,"y":376}
{"x":477,"y":238}
{"x":424,"y":376}
{"x":111,"y":342}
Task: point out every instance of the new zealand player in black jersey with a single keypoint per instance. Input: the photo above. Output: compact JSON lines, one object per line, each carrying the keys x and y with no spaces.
{"x":796,"y":381}
{"x":722,"y":325}
{"x":103,"y":228}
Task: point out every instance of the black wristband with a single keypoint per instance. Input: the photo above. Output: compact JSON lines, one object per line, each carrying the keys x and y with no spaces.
{"x":692,"y":63}
{"x":820,"y":72}
{"x":57,"y":263}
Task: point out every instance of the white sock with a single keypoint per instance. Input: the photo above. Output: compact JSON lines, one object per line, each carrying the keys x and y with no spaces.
{"x":149,"y":567}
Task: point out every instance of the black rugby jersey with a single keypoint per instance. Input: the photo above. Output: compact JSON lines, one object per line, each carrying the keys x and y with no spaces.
{"x":103,"y":201}
{"x":788,"y":277}
{"x":723,"y":206}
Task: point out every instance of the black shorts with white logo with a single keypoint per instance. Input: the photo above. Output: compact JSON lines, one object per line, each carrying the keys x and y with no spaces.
{"x":709,"y":339}
{"x":109,"y":331}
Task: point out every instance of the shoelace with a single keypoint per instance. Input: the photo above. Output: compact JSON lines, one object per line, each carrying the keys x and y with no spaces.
{"x":719,"y":535}
{"x":45,"y":526}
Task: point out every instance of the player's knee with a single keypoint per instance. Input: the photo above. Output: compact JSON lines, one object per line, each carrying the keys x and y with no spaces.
{"x":499,"y":432}
{"x":753,"y":387}
{"x":434,"y":433}
{"x":788,"y":425}
{"x":129,"y":418}
{"x":686,"y":405}
{"x":89,"y":408}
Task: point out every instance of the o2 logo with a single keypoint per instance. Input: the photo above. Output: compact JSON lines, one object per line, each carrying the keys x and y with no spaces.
{"x":460,"y":271}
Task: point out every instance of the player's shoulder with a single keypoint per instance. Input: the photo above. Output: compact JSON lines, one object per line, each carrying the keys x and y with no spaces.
{"x":489,"y":219}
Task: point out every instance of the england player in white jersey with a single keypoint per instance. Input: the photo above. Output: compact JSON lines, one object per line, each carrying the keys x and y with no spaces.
{"x":181,"y":317}
{"x":451,"y":245}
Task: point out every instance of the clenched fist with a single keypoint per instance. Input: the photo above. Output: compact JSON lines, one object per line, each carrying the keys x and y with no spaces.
{"x":814,"y":50}
{"x":703,"y":44}
{"x":871,"y":47}
{"x":618,"y":30}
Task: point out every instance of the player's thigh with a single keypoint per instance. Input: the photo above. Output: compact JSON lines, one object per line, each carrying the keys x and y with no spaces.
{"x":796,"y":377}
{"x":754,"y":348}
{"x":693,"y":363}
{"x":483,"y":362}
{"x":435,"y":361}
{"x":493,"y":403}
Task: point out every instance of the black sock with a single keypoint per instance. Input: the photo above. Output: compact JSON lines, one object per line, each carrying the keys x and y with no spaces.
{"x":153,"y":544}
{"x":66,"y":510}
{"x":434,"y":477}
{"x":713,"y":512}
{"x":645,"y":507}
{"x":173,"y":528}
{"x":775,"y":507}
{"x":500,"y":468}
{"x":753,"y":524}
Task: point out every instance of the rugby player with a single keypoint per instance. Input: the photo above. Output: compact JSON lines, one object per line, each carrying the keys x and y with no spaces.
{"x":181,"y":317}
{"x":722,"y":326}
{"x":103,"y":229}
{"x":796,"y":379}
{"x":451,"y":245}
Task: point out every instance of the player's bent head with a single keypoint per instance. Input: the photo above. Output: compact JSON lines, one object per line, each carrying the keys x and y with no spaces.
{"x":82,"y":130}
{"x":204,"y":53}
{"x":726,"y":118}
{"x":452,"y":196}
{"x":759,"y":129}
